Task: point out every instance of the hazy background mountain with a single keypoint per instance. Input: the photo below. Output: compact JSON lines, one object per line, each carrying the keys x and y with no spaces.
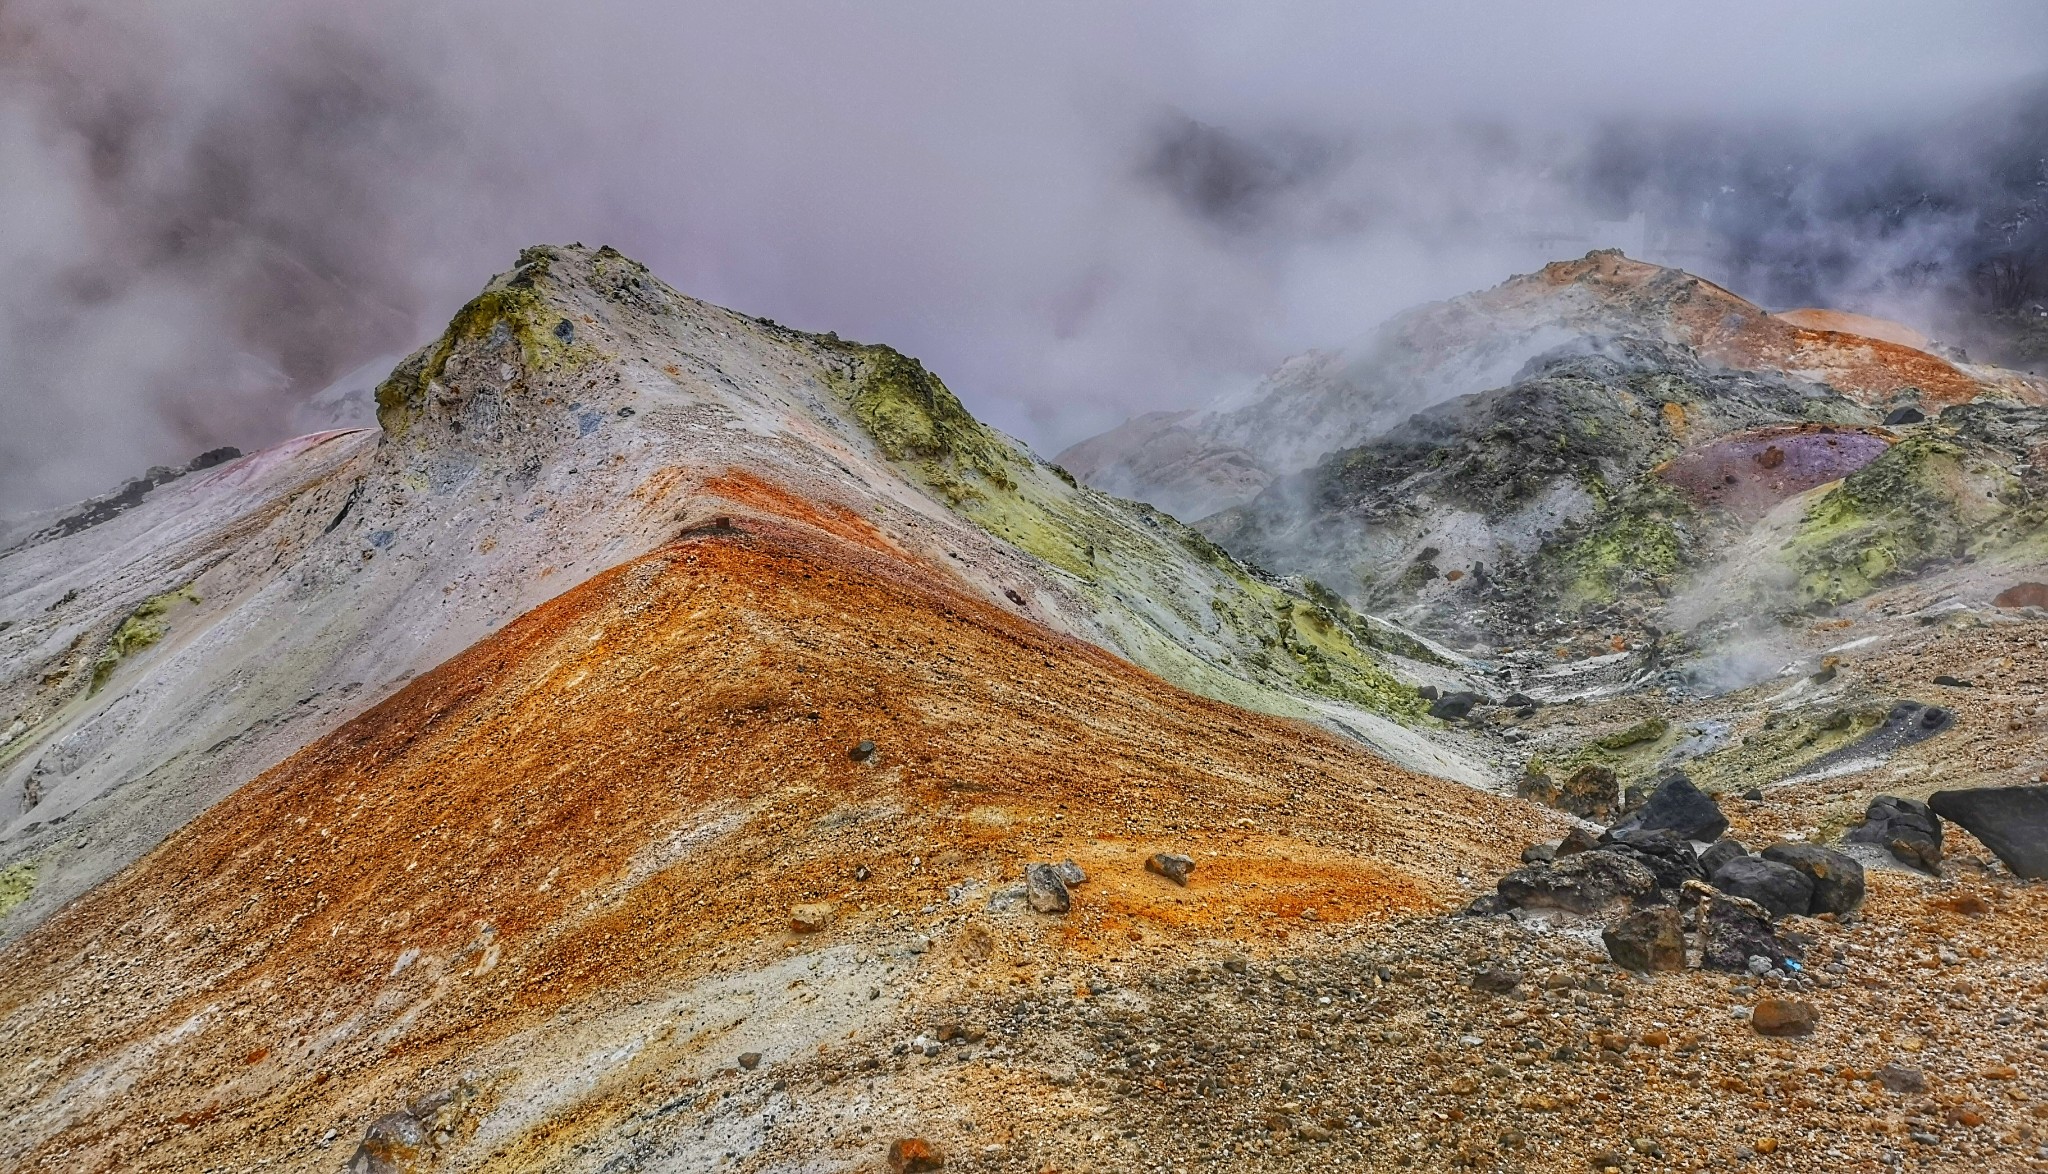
{"x":217,"y":208}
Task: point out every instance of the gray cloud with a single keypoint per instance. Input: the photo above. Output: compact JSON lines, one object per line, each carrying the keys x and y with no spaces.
{"x":1073,"y":212}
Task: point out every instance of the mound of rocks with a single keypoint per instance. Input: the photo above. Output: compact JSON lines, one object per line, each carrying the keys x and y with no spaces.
{"x":1907,"y":828}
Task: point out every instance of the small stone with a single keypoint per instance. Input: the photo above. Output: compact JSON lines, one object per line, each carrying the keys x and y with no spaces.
{"x":1171,"y":865}
{"x":749,"y":1061}
{"x":810,"y":918}
{"x":1045,"y":891}
{"x":1071,"y":873}
{"x":913,"y":1155}
{"x":1783,"y":1017}
{"x":862,"y":751}
{"x":1495,"y":980}
{"x":1576,"y":841}
{"x":1901,"y":1078}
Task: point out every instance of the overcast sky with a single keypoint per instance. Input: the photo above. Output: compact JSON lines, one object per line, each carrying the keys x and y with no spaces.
{"x":1072,"y":212}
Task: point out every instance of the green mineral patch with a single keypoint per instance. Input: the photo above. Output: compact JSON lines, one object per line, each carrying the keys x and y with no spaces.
{"x":1162,"y":579}
{"x":512,"y":309}
{"x":1782,"y":745}
{"x":1641,"y":542}
{"x":144,"y":627}
{"x":1925,"y":501}
{"x":17,"y":881}
{"x":1640,"y":734}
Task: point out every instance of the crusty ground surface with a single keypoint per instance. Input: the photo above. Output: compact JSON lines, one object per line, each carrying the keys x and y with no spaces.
{"x":542,"y":866}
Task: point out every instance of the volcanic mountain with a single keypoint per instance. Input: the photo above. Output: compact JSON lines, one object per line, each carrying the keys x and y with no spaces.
{"x":671,"y":741}
{"x":1194,"y":463}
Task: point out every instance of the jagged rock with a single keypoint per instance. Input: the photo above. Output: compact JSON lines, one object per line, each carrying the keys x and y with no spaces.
{"x":1719,"y":854}
{"x":1071,"y":873}
{"x":1577,"y":840}
{"x":1454,"y":706}
{"x":1783,"y":1017}
{"x":1733,"y":930}
{"x":812,"y":918}
{"x":1837,"y":879}
{"x":405,"y":1142}
{"x":1779,"y":888}
{"x":1634,"y":797}
{"x":2011,"y":821}
{"x":1908,"y":828}
{"x":1589,"y":792}
{"x":1905,"y":415}
{"x":915,"y":1155}
{"x":1679,"y":805}
{"x":1586,"y":882}
{"x":1171,"y":865}
{"x":749,"y":1061}
{"x":1668,"y":857}
{"x":1649,"y":940}
{"x":1045,"y":891}
{"x":1539,"y":853}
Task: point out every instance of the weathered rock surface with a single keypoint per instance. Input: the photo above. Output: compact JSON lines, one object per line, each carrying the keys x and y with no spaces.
{"x":1732,"y":930}
{"x":1783,"y":1017}
{"x":2011,"y":821}
{"x":1779,"y":888}
{"x":1045,"y":890}
{"x":1837,"y":879}
{"x":1647,"y":940}
{"x":1680,"y":806}
{"x":1907,"y":828}
{"x":1719,"y":853}
{"x":1586,"y":882}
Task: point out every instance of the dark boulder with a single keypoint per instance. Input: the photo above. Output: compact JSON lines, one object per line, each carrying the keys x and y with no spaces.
{"x":1454,"y":706}
{"x":1669,"y":858}
{"x":1733,"y":930}
{"x":2011,"y":821}
{"x":1539,"y":853}
{"x":1590,"y":792}
{"x":1779,"y":888}
{"x":1905,"y":415}
{"x":1837,"y":879}
{"x":1577,"y":840}
{"x":1494,"y":980}
{"x":1587,"y":882}
{"x":1679,"y":805}
{"x":1908,"y":828}
{"x":1719,"y":854}
{"x":1649,"y":940}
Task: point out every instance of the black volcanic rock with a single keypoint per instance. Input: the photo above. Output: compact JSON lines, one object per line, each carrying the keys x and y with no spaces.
{"x":2011,"y":821}
{"x":1678,"y":805}
{"x":1779,"y":888}
{"x":1837,"y":879}
{"x":1908,"y":828}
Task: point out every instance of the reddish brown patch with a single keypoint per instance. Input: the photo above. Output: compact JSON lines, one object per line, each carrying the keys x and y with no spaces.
{"x":2023,"y":595}
{"x":1750,"y":472}
{"x":629,"y":787}
{"x":831,"y":517}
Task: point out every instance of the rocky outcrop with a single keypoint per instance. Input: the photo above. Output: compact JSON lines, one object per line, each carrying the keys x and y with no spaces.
{"x":1907,"y":828}
{"x":2011,"y":821}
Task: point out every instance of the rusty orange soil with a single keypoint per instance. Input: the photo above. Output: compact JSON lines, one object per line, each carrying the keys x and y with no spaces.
{"x":626,"y":789}
{"x":1726,"y":327}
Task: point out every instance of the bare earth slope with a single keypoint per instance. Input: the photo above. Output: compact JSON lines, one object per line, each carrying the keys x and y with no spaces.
{"x":576,"y":414}
{"x":557,"y":872}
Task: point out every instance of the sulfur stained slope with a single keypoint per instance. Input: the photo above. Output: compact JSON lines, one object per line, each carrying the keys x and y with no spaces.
{"x":556,"y":872}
